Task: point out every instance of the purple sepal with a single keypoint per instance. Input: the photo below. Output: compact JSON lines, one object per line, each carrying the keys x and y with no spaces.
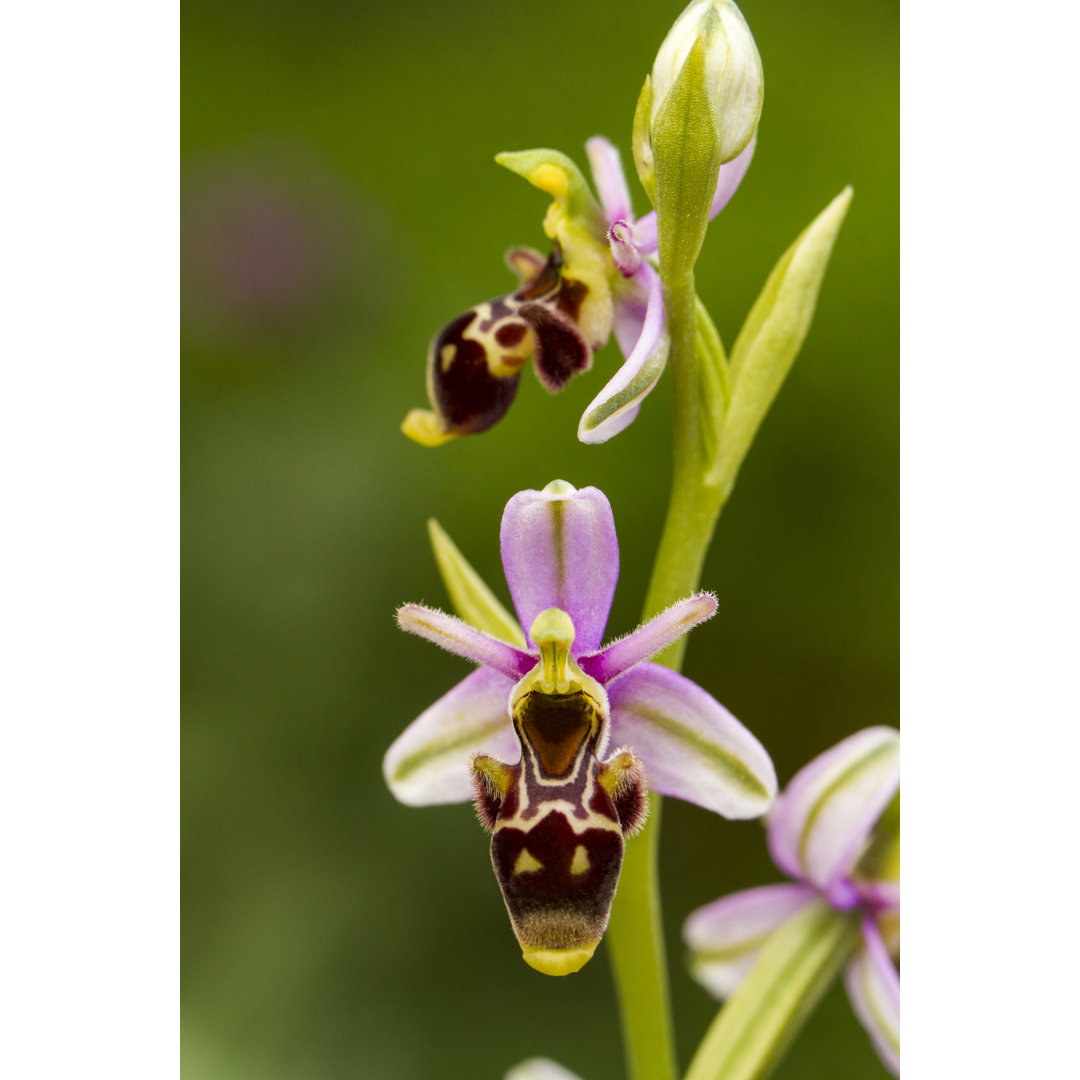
{"x":428,"y":763}
{"x":873,"y":986}
{"x":728,"y":934}
{"x":559,"y":549}
{"x":691,"y":746}
{"x":823,"y":820}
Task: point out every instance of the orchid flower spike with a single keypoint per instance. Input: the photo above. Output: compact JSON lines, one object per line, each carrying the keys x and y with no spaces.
{"x":600,"y":277}
{"x":836,"y":831}
{"x":530,"y":734}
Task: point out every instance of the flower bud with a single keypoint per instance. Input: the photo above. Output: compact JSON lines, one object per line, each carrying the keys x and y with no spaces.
{"x":734,"y":83}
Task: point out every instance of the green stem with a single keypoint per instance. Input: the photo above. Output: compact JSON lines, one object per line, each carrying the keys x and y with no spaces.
{"x":636,"y":942}
{"x":635,"y":936}
{"x":796,"y":966}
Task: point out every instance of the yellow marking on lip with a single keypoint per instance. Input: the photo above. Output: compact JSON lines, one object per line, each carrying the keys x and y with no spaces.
{"x":526,"y":863}
{"x":580,"y":863}
{"x":446,"y":355}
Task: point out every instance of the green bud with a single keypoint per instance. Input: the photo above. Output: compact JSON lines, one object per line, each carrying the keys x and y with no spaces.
{"x":732,"y":79}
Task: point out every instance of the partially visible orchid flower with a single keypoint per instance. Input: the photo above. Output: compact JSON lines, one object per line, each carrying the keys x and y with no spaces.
{"x":540,"y":1069}
{"x":836,"y":831}
{"x":601,"y":276}
{"x":528,"y":735}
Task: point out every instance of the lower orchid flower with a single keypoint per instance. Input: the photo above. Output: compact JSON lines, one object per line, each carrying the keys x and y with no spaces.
{"x":600,"y":277}
{"x":836,"y":831}
{"x":528,"y":735}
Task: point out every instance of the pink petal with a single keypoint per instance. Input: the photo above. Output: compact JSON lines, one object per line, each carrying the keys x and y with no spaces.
{"x":691,"y":746}
{"x":559,"y":549}
{"x":823,"y":820}
{"x":649,"y":639}
{"x":873,"y":985}
{"x":617,"y":405}
{"x":731,"y":175}
{"x":429,"y":762}
{"x":460,"y":638}
{"x":725,"y":937}
{"x":609,"y":178}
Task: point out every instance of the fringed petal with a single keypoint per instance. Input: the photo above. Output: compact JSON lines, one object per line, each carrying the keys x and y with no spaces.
{"x":460,"y":638}
{"x":561,"y":351}
{"x":650,"y":638}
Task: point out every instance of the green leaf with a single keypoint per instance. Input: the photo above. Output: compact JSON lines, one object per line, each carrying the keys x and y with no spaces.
{"x":472,"y":599}
{"x":772,"y":336}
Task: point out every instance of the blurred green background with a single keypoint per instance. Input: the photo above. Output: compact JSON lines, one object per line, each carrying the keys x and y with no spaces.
{"x":340,"y":204}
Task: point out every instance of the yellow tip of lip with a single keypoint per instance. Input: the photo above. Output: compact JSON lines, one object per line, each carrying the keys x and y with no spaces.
{"x":422,"y":426}
{"x":558,"y":961}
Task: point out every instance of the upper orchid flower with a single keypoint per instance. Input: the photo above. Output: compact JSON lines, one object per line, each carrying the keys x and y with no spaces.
{"x":836,"y":830}
{"x":600,"y":277}
{"x":528,"y":735}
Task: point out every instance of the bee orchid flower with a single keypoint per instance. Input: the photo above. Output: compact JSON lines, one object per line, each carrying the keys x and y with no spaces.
{"x":601,"y":277}
{"x":836,"y":831}
{"x":529,"y":735}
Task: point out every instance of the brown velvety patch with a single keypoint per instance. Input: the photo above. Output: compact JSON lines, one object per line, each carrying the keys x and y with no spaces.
{"x":555,"y":726}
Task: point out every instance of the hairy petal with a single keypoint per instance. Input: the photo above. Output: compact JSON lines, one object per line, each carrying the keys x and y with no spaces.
{"x":609,"y":178}
{"x":649,"y":639}
{"x":724,"y":937}
{"x":561,"y":351}
{"x":691,"y":746}
{"x":873,"y":985}
{"x":429,"y":762}
{"x":617,"y":405}
{"x":559,"y":550}
{"x":460,"y":638}
{"x":822,"y":822}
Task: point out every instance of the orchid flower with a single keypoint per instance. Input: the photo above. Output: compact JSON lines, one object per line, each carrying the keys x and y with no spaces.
{"x":528,"y":734}
{"x":836,"y":831}
{"x":600,"y":277}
